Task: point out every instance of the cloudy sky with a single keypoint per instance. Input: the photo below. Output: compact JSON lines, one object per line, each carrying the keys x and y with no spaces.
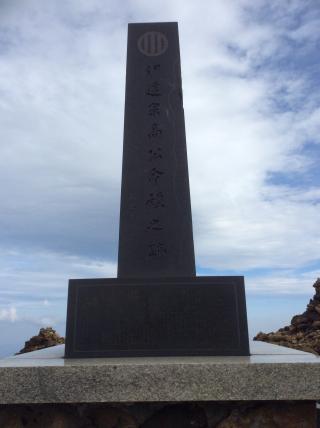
{"x":250,"y":73}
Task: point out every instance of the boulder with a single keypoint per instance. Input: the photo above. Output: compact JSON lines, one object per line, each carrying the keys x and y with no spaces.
{"x":45,"y":338}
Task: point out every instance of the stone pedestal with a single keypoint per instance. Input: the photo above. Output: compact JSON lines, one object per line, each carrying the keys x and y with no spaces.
{"x":270,"y":373}
{"x":275,"y":386}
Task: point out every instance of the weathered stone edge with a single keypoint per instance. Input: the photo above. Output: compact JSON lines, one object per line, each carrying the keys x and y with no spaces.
{"x":145,"y":383}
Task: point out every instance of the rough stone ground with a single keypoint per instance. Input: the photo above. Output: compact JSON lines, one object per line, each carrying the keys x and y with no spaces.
{"x":184,"y":415}
{"x":303,"y":333}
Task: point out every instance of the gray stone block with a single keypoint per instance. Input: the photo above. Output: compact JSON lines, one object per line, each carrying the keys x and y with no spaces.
{"x":270,"y":373}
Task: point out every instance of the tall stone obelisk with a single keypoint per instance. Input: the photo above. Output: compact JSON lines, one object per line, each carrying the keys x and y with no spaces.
{"x":155,"y":218}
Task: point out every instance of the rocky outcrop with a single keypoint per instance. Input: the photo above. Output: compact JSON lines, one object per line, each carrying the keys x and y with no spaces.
{"x":271,"y":415}
{"x":47,"y":337}
{"x":112,"y":417}
{"x":179,"y":415}
{"x":169,"y":415}
{"x":303,"y":333}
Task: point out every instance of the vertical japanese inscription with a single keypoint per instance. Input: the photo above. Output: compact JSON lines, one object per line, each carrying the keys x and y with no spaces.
{"x":156,"y":245}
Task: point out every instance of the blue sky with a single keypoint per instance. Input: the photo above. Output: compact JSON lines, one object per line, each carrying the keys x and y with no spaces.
{"x":250,"y":74}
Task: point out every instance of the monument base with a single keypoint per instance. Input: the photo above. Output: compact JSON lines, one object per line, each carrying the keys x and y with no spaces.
{"x":270,"y":373}
{"x":156,"y":317}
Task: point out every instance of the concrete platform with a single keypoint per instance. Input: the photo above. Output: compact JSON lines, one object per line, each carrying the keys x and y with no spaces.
{"x":270,"y":373}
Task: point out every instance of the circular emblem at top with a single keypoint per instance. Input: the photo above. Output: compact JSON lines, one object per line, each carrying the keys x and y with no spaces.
{"x":152,"y":43}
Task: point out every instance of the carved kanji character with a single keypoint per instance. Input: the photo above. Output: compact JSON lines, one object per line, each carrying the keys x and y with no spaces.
{"x":155,"y":131}
{"x":154,"y":109}
{"x":155,"y":200}
{"x":154,"y":224}
{"x":157,"y":249}
{"x":155,"y":154}
{"x":150,"y":69}
{"x":154,"y":175}
{"x":154,"y":89}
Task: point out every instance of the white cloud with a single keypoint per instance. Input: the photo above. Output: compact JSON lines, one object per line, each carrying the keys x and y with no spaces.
{"x":8,"y":314}
{"x":37,"y":283}
{"x":285,"y":282}
{"x":249,"y":112}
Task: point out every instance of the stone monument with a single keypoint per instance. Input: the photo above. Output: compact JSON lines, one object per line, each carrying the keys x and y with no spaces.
{"x":157,"y":305}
